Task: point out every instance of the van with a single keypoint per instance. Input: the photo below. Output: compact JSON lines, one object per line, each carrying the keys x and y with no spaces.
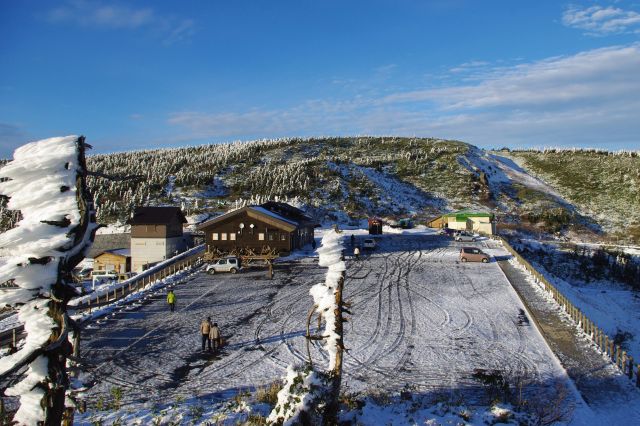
{"x":226,"y":264}
{"x":472,"y":254}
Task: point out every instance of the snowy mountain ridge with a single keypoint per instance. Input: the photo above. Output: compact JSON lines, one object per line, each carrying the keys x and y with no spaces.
{"x":350,"y":178}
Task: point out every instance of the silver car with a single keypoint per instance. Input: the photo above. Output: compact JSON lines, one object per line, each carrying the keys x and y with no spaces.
{"x":464,"y":236}
{"x":226,"y":264}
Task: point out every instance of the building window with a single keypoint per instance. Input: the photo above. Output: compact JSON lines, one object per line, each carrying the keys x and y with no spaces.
{"x":223,"y":236}
{"x":232,"y":236}
{"x":283,"y":237}
{"x":214,"y":236}
{"x":271,"y":237}
{"x":261,"y":236}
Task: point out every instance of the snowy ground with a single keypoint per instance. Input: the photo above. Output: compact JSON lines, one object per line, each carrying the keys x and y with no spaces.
{"x":421,"y":322}
{"x":611,"y":305}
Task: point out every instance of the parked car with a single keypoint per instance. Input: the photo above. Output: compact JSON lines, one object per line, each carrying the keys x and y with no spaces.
{"x":472,"y":254}
{"x":84,"y":273}
{"x":465,"y":236}
{"x":369,"y":243}
{"x":226,"y":264}
{"x":103,"y":277}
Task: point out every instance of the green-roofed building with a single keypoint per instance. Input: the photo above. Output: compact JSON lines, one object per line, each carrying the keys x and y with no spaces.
{"x":480,"y":222}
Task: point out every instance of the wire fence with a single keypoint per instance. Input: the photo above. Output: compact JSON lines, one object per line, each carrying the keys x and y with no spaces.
{"x":607,"y":345}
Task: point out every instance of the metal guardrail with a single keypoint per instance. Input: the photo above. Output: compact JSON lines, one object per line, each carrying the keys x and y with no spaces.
{"x":136,"y":283}
{"x":13,"y":335}
{"x":607,"y":345}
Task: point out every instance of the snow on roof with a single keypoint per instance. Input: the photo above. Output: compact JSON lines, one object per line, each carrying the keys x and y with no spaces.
{"x":272,"y":214}
{"x":120,"y":252}
{"x":257,"y":209}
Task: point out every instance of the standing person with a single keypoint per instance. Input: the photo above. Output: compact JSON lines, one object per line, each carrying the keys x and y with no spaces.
{"x":205,"y":328}
{"x":356,"y":253}
{"x":353,"y":240}
{"x":214,"y":336}
{"x":313,"y":243}
{"x":171,"y":300}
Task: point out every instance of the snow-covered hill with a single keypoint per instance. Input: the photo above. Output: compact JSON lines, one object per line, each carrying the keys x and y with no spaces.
{"x":353,"y":177}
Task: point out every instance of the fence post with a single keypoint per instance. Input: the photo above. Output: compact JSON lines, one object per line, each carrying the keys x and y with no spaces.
{"x":15,"y":338}
{"x":613,"y":348}
{"x":89,"y":304}
{"x":638,"y":375}
{"x":630,"y":365}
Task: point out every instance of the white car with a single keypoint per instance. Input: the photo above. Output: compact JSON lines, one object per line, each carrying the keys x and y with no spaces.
{"x":226,"y":264}
{"x":103,"y":277}
{"x":369,"y":243}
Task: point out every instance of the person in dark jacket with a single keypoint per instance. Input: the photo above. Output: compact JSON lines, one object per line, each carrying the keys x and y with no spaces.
{"x":205,"y":329}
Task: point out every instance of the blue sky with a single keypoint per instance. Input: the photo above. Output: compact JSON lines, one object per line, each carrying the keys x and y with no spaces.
{"x":148,"y":74}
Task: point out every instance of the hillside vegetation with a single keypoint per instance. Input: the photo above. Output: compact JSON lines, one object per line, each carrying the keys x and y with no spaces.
{"x":359,"y":176}
{"x":603,"y":185}
{"x":343,"y":178}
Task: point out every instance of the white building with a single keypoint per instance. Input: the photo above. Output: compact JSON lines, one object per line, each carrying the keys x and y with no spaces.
{"x":156,"y":235}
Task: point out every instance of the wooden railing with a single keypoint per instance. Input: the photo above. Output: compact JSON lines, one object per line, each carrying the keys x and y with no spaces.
{"x":92,"y":301}
{"x":607,"y":345}
{"x":134,"y":284}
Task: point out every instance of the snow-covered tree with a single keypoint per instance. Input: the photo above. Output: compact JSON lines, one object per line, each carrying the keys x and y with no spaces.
{"x":46,"y":183}
{"x":310,"y":395}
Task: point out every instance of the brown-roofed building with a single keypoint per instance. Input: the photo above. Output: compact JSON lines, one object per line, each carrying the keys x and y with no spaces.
{"x":156,"y":235}
{"x":278,"y":226}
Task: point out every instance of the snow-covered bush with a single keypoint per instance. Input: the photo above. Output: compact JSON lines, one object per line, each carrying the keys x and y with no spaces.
{"x":45,"y":182}
{"x":301,"y":399}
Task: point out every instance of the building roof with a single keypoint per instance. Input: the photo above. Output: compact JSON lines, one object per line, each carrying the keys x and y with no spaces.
{"x":281,"y":214}
{"x":462,"y":215}
{"x":124,"y":252}
{"x":287,"y":210}
{"x":156,"y":216}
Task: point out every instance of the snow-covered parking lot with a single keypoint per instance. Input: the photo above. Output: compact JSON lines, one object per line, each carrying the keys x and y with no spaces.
{"x":422,"y":321}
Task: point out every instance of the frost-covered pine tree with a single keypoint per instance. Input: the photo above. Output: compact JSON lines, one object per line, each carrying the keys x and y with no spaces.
{"x":46,"y":183}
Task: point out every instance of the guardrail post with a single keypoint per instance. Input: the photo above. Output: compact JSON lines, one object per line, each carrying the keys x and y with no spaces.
{"x":612,"y":353}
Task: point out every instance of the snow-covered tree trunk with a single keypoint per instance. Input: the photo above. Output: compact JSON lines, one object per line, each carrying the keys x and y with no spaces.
{"x":46,"y":182}
{"x":327,"y":297}
{"x":310,"y":396}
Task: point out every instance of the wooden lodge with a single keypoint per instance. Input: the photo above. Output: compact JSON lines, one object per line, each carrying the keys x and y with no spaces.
{"x":270,"y":228}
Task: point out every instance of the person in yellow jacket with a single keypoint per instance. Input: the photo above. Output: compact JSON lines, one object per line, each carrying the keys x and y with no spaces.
{"x":171,"y":300}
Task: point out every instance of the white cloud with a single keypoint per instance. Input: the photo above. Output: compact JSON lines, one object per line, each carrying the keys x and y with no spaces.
{"x":94,"y":14}
{"x":598,"y":20}
{"x":589,"y":98}
{"x":596,"y":75}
